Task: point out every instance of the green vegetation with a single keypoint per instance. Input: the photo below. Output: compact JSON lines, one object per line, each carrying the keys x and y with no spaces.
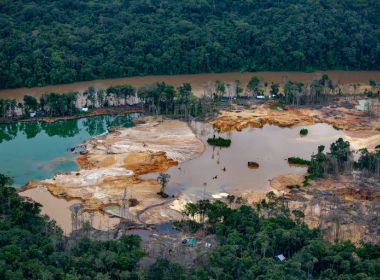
{"x":52,"y":42}
{"x":304,"y":131}
{"x":337,"y":161}
{"x":298,"y":160}
{"x":33,"y":247}
{"x":291,"y":187}
{"x":221,"y":142}
{"x":319,"y":91}
{"x":249,"y":239}
{"x":369,"y":161}
{"x":157,"y":98}
{"x":340,"y":160}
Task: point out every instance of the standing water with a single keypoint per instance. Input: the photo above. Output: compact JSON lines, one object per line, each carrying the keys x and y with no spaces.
{"x":37,"y":150}
{"x":224,"y":170}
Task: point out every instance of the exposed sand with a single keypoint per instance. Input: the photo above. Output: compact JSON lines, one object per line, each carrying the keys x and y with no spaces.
{"x":342,"y":118}
{"x":258,"y":117}
{"x":115,"y":160}
{"x":344,"y":207}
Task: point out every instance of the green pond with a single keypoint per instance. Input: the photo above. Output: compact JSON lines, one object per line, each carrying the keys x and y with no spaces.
{"x":38,"y":150}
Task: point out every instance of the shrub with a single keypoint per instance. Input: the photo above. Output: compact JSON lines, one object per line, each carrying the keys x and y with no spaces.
{"x":163,"y":195}
{"x":221,"y":142}
{"x":291,"y":187}
{"x":306,"y":182}
{"x":304,"y":131}
{"x":298,"y":160}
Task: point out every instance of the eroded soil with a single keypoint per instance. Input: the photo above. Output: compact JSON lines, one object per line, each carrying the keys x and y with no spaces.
{"x":345,"y":207}
{"x":112,"y":164}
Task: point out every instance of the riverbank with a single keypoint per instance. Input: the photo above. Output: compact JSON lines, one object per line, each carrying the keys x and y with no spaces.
{"x":350,"y":81}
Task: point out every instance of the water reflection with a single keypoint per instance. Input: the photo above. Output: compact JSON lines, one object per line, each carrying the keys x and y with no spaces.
{"x":35,"y":150}
{"x":65,"y":129}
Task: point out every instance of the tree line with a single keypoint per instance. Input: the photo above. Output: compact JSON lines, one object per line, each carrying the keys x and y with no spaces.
{"x":157,"y":98}
{"x":52,"y":42}
{"x":249,"y":239}
{"x":162,"y":98}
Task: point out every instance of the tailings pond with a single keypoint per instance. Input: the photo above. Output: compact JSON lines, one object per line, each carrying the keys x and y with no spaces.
{"x":223,"y":170}
{"x":37,"y":150}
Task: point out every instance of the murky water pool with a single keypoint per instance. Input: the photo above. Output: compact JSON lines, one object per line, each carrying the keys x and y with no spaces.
{"x":220,"y":170}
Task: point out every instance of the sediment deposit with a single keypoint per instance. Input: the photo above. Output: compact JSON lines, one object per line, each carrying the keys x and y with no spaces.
{"x":337,"y":115}
{"x":112,"y":163}
{"x":344,"y":207}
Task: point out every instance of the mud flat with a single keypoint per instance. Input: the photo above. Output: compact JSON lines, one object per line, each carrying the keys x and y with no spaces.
{"x":113,"y":163}
{"x":260,"y":116}
{"x":127,"y":161}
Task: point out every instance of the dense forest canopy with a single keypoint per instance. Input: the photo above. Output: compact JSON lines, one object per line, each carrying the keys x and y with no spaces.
{"x":50,"y":42}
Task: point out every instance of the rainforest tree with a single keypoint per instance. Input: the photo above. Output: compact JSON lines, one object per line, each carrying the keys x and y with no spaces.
{"x":51,"y":42}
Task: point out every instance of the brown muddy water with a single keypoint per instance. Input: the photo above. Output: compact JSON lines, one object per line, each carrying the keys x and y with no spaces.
{"x":225,"y":170}
{"x":198,"y":81}
{"x":58,"y":209}
{"x":217,"y":170}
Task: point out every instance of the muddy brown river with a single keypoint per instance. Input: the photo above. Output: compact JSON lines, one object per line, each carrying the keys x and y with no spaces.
{"x":198,"y":81}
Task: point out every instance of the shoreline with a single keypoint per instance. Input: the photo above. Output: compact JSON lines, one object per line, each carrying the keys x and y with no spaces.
{"x":198,"y":80}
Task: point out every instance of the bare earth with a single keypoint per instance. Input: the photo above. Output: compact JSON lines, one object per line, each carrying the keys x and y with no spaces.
{"x":361,"y":131}
{"x":115,"y":161}
{"x":345,"y":207}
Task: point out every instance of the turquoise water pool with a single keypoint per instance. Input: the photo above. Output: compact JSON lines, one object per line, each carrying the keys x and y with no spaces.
{"x":37,"y":150}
